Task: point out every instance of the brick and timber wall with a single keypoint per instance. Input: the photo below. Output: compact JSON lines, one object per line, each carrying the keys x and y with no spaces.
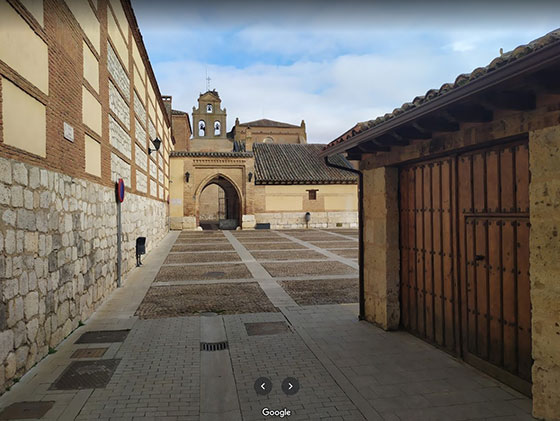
{"x":77,"y":101}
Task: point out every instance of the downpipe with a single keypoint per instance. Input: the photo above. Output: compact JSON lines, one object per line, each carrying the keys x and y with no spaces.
{"x":361,"y":294}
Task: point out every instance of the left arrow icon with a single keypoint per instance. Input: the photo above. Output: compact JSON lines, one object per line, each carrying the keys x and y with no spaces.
{"x":263,"y":386}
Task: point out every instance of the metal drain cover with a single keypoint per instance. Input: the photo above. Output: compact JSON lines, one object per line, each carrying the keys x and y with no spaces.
{"x":214,"y":274}
{"x":266,"y":328}
{"x":213,"y":346}
{"x":103,"y":336}
{"x":86,"y":375}
{"x":89,"y":353}
{"x":26,"y":410}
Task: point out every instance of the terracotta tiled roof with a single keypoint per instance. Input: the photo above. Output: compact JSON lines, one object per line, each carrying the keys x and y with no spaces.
{"x":213,"y":154}
{"x":461,"y":80}
{"x":178,"y":112}
{"x":268,"y":123}
{"x":298,"y":164}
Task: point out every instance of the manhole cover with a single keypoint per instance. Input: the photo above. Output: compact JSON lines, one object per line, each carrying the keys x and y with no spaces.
{"x":266,"y":328}
{"x":89,"y":353}
{"x":215,"y":346}
{"x":103,"y":336}
{"x":26,"y":410}
{"x":86,"y":375}
{"x":214,"y":274}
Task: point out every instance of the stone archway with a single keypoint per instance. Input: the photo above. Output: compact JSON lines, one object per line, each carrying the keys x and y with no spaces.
{"x":218,"y":204}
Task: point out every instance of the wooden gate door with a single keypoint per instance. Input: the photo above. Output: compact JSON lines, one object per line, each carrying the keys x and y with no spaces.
{"x":427,"y":225}
{"x":494,"y":238}
{"x":464,"y":243}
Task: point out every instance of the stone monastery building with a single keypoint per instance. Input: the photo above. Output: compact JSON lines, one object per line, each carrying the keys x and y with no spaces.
{"x":260,"y":174}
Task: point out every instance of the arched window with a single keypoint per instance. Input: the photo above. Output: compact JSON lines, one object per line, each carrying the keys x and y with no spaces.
{"x":217,"y":128}
{"x":268,"y":140}
{"x":208,"y":108}
{"x":201,"y":128}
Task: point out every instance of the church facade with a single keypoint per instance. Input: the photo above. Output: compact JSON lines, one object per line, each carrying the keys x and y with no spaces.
{"x":261,"y":174}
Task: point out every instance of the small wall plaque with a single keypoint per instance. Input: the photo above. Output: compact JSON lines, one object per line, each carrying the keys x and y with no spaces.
{"x":68,"y":132}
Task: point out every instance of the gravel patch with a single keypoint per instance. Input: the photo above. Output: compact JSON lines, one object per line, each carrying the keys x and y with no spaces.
{"x":331,"y":291}
{"x":308,"y":268}
{"x":275,"y":246}
{"x":211,"y":240}
{"x":202,"y":257}
{"x":335,"y":243}
{"x":187,"y":300}
{"x":202,"y":272}
{"x":348,"y":253}
{"x":288,"y":255}
{"x":201,"y":247}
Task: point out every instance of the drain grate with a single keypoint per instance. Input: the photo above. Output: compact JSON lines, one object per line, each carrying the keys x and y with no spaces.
{"x":89,"y":353}
{"x":86,"y":375}
{"x":26,"y":410}
{"x":266,"y":328}
{"x":214,"y":346}
{"x":103,"y":336}
{"x":214,"y":274}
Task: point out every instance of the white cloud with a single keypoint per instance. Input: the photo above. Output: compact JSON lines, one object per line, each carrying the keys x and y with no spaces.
{"x":331,"y":78}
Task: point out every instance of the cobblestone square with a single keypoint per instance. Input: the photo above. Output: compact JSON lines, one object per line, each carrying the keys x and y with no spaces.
{"x":346,"y":369}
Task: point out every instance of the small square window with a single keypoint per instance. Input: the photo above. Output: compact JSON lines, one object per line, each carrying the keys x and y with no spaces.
{"x":312,"y":194}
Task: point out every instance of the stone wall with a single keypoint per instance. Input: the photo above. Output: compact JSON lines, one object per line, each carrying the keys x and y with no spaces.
{"x":57,"y":256}
{"x":544,"y":152}
{"x":296,"y":220}
{"x":119,"y":138}
{"x":381,"y":246}
{"x":119,"y":106}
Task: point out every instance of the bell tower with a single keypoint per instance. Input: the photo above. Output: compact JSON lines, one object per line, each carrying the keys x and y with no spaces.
{"x":209,"y":119}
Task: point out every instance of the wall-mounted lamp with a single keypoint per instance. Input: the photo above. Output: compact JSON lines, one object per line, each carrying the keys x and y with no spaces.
{"x":187,"y":176}
{"x":157,"y":144}
{"x":250,"y":176}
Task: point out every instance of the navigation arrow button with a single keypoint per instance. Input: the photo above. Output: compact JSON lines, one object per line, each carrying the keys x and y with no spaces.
{"x":290,"y":386}
{"x":263,"y":386}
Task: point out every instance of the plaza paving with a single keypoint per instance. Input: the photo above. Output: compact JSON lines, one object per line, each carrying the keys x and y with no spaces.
{"x":284,"y":301}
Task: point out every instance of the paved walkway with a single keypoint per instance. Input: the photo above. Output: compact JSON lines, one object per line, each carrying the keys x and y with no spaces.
{"x":346,"y":369}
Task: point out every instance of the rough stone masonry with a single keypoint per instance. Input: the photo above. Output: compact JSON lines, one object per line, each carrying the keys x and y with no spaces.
{"x":58,"y":239}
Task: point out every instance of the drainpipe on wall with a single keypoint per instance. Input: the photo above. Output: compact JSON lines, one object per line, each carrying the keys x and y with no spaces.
{"x":361,"y":296}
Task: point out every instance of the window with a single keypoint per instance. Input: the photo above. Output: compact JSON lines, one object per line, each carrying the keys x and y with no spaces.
{"x":217,"y":128}
{"x":209,"y":108}
{"x":268,"y":140}
{"x":201,"y":128}
{"x":312,"y":194}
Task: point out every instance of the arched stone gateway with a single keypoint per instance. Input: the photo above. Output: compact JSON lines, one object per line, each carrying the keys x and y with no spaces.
{"x":218,"y":204}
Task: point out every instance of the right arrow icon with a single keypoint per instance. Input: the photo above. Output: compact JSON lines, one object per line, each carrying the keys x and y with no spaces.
{"x":290,"y":386}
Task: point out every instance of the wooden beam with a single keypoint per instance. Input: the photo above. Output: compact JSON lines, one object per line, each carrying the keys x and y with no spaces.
{"x":471,"y":113}
{"x":371,"y":147}
{"x":413,"y":131}
{"x":510,"y":100}
{"x":548,"y":81}
{"x":439,"y":124}
{"x":354,"y":154}
{"x":392,"y":139}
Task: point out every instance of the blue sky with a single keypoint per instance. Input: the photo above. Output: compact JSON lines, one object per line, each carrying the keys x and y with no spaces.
{"x":331,"y":63}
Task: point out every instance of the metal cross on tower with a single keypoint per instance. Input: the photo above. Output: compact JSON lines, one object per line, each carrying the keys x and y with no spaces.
{"x":208,"y":79}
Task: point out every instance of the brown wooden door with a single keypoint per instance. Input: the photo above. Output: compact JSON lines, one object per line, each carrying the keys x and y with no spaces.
{"x":428,"y":289}
{"x":464,"y":225}
{"x":494,"y":242}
